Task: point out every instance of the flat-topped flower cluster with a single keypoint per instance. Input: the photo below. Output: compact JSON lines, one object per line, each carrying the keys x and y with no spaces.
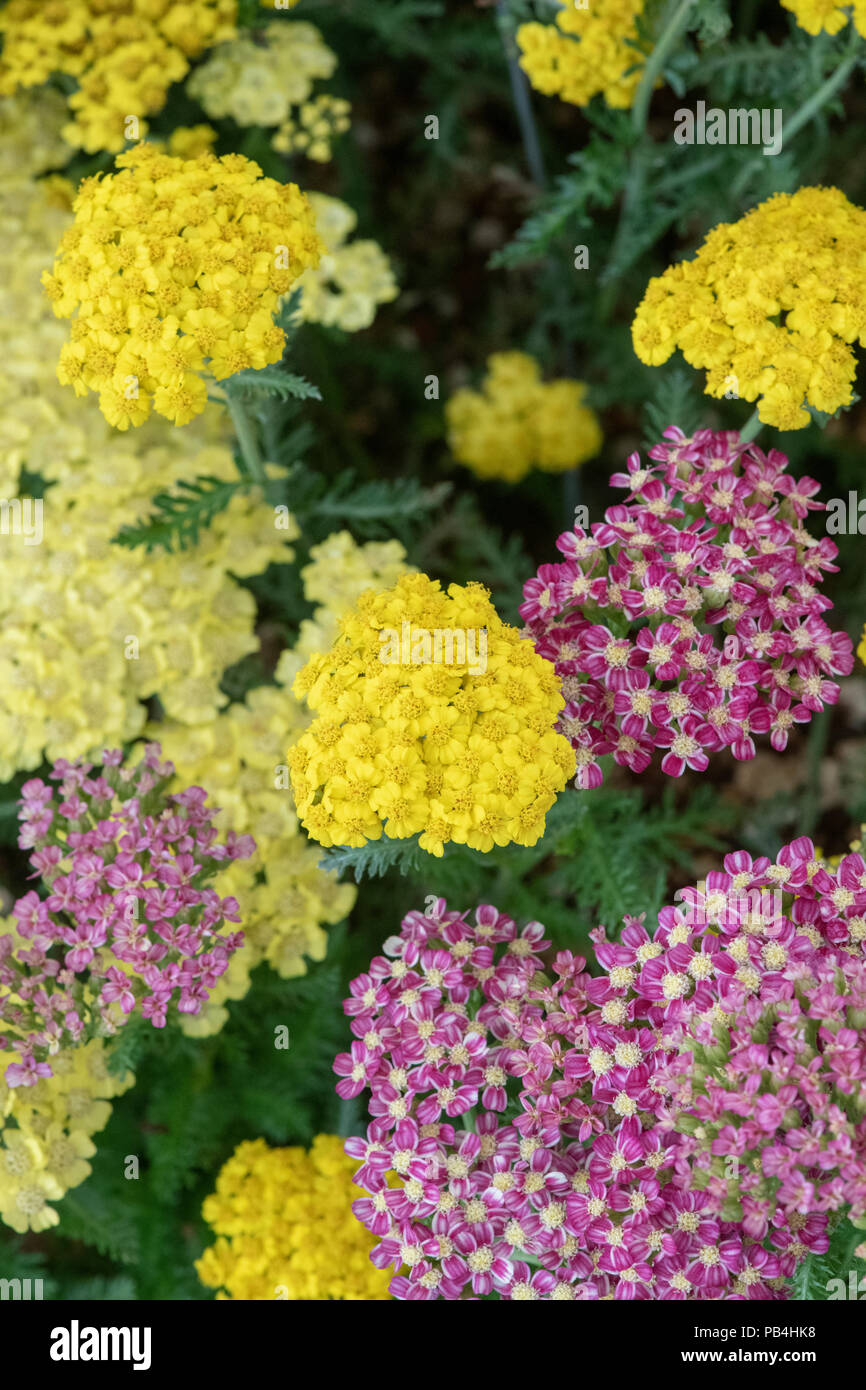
{"x":679,"y":1127}
{"x":128,"y":922}
{"x":691,"y":618}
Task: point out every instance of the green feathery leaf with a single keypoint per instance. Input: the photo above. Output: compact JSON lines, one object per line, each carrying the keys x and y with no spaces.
{"x":271,"y":381}
{"x":178,"y":517}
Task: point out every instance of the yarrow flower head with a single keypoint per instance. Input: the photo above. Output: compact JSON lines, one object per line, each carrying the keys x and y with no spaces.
{"x":762,"y":988}
{"x":352,"y":278}
{"x":691,"y":618}
{"x":591,"y":49}
{"x":128,"y":922}
{"x":175,"y":265}
{"x":517,"y":422}
{"x":434,"y":718}
{"x":256,"y":81}
{"x":769,"y":306}
{"x":525,"y":1111}
{"x":312,"y":129}
{"x":46,"y":1132}
{"x":123,"y":54}
{"x":284,"y":1227}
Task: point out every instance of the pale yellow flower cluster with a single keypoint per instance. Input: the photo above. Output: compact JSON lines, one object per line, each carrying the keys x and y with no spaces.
{"x":258,"y":81}
{"x":46,"y":1132}
{"x":285,"y":899}
{"x":352,"y":278}
{"x":313,"y":128}
{"x":92,"y":629}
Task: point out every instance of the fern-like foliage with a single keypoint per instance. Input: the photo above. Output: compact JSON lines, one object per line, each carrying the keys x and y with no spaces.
{"x":271,"y":381}
{"x":600,"y":172}
{"x":372,"y":509}
{"x":98,"y":1214}
{"x":814,"y":1279}
{"x":676,"y":400}
{"x":180,"y":516}
{"x":376,"y":858}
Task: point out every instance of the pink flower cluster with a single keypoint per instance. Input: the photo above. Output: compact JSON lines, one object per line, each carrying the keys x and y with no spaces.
{"x":127,"y":921}
{"x":566,"y":1176}
{"x":710,"y":537}
{"x":767,"y":1007}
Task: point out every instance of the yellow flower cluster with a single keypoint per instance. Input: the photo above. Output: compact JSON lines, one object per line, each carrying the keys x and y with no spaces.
{"x":768,"y":306}
{"x":189,"y":141}
{"x":285,"y":1229}
{"x":257,"y":83}
{"x":589,"y":50}
{"x":338,"y":573}
{"x":861,"y":647}
{"x":315,"y":125}
{"x":517,"y":422}
{"x":817,"y":15}
{"x":352,"y":278}
{"x":123,"y":54}
{"x":30,"y":139}
{"x":285,"y":898}
{"x":435,"y":717}
{"x":40,"y":422}
{"x":45,"y":1133}
{"x":75,"y":608}
{"x":91,"y":629}
{"x":173,"y":264}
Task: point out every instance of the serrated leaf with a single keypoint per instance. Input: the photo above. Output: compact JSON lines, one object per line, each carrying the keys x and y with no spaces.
{"x":179,"y":516}
{"x":271,"y":381}
{"x":371,"y":508}
{"x":90,"y":1215}
{"x":376,"y":858}
{"x":677,"y":400}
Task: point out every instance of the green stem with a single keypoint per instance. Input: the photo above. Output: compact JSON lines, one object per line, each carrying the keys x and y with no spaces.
{"x":630,"y":196}
{"x":816,"y":747}
{"x":246,"y":433}
{"x":824,"y":92}
{"x":522,"y":103}
{"x":804,"y":113}
{"x":751,"y":427}
{"x":633,"y":189}
{"x":655,"y":62}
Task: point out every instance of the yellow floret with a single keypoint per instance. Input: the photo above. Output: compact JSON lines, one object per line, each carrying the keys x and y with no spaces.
{"x":769,"y":306}
{"x":153,"y":247}
{"x":591,"y":50}
{"x":403,"y":698}
{"x":285,"y":1229}
{"x":517,"y":422}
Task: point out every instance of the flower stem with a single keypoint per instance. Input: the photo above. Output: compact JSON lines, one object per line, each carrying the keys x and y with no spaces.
{"x":522,"y":103}
{"x":636,"y":171}
{"x":827,"y":89}
{"x":246,"y":434}
{"x":805,"y":112}
{"x":751,"y":427}
{"x":655,"y":62}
